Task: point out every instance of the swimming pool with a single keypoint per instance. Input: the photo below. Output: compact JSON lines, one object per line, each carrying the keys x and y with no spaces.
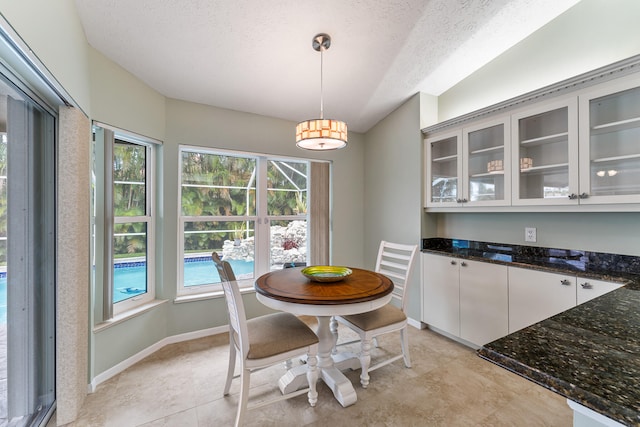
{"x":3,"y":298}
{"x":130,"y":278}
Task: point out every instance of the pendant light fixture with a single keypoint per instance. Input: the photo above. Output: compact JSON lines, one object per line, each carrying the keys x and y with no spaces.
{"x":321,"y":134}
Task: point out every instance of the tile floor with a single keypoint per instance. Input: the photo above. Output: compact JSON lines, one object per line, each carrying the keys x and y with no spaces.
{"x":448,"y":385}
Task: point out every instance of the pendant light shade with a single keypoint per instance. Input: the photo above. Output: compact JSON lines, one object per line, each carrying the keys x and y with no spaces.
{"x":321,"y":134}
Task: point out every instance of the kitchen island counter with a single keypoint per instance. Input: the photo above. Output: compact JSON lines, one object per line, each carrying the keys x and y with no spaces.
{"x":590,"y":354}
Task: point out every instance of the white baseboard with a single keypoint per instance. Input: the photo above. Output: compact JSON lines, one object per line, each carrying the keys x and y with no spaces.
{"x":416,"y":323}
{"x":115,"y":370}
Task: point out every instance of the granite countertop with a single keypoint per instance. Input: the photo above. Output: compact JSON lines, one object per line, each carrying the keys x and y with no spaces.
{"x":589,"y":354}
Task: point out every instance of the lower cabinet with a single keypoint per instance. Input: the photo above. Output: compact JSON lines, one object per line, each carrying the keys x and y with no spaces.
{"x":441,"y":293}
{"x":484,"y":305}
{"x":481,"y":302}
{"x":467,"y":299}
{"x":536,"y":295}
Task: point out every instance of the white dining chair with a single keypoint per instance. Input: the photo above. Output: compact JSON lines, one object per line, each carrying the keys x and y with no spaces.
{"x":262,"y":342}
{"x":396,"y":262}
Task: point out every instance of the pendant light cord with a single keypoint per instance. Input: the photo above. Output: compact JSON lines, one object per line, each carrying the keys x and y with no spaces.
{"x":321,"y":85}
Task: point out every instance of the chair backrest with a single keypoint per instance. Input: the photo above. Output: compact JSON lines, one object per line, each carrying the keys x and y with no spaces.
{"x":396,"y":262}
{"x":224,"y":268}
{"x":238,"y":332}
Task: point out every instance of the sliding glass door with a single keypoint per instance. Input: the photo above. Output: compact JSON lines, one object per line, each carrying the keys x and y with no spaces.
{"x":27,"y":259}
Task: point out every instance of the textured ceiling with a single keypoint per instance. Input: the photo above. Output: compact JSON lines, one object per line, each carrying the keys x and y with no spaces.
{"x":256,"y":56}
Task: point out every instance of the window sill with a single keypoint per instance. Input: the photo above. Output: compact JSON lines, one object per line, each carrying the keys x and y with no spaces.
{"x":122,"y":317}
{"x":207,"y":295}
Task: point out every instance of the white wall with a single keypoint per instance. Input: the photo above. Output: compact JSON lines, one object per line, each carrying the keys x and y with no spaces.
{"x":592,"y":34}
{"x":120,"y":99}
{"x":393,"y":182}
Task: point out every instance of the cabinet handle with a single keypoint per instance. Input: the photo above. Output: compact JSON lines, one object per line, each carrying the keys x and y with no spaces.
{"x":584,"y":196}
{"x":573,"y":196}
{"x":565,"y":282}
{"x":586,"y":285}
{"x":458,"y":200}
{"x":464,"y":264}
{"x":453,"y":262}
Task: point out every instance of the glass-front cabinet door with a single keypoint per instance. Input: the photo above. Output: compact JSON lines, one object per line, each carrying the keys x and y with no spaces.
{"x":487,"y":163}
{"x":545,"y":153}
{"x":610,"y":143}
{"x":444,"y":169}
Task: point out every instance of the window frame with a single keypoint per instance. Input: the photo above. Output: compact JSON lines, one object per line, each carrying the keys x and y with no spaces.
{"x":104,"y":247}
{"x":261,"y":219}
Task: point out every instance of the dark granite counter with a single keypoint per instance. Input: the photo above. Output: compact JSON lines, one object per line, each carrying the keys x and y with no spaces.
{"x":589,"y":354}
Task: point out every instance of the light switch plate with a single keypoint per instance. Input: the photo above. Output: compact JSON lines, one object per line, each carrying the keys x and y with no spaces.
{"x":530,"y":234}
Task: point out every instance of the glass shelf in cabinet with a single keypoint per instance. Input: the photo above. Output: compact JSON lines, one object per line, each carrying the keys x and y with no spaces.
{"x":545,"y":168}
{"x":616,"y":158}
{"x":487,"y":150}
{"x":616,"y":126}
{"x":548,"y":139}
{"x":445,"y":158}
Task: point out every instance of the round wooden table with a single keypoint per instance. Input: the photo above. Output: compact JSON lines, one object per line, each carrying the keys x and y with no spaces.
{"x":289,"y":290}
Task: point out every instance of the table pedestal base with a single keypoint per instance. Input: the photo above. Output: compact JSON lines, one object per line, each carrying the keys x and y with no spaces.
{"x":330,"y":369}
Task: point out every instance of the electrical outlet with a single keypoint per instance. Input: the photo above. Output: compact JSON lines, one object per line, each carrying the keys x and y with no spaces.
{"x":530,"y":234}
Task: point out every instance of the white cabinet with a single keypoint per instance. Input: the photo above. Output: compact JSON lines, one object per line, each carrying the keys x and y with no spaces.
{"x":588,"y":289}
{"x":609,"y":147}
{"x":441,"y":293}
{"x":573,"y":150}
{"x":486,"y":163}
{"x":536,"y":295}
{"x":481,"y":301}
{"x":545,"y":153}
{"x":443,"y":184}
{"x":470,"y":166}
{"x":467,"y":299}
{"x":484,"y":303}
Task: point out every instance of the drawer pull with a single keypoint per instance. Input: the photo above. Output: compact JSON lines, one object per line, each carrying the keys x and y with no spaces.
{"x":565,"y":282}
{"x":586,"y":285}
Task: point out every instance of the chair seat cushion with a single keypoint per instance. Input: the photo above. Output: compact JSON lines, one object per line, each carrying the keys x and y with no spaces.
{"x":277,"y":333}
{"x":384,"y":316}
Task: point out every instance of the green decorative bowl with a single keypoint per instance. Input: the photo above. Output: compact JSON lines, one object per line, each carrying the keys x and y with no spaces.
{"x":325,"y":273}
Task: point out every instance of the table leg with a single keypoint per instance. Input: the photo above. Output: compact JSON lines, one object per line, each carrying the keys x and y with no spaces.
{"x":339,"y":384}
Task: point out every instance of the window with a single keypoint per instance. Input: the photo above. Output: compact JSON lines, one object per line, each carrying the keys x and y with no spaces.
{"x":126,"y":228}
{"x":251,"y":209}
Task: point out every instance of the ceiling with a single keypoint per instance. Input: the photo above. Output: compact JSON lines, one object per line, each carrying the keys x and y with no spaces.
{"x":256,"y":55}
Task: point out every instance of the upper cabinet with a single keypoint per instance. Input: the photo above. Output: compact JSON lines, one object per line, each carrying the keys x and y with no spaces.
{"x":486,"y":163}
{"x":470,"y":166}
{"x":610,"y":138}
{"x":579,"y":150}
{"x":443,"y":186}
{"x":545,"y":154}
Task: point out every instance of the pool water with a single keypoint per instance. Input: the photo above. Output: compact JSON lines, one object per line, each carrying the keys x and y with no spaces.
{"x":3,"y":299}
{"x":130,"y":280}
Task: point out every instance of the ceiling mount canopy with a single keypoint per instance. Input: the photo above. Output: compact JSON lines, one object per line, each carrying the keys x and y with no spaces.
{"x":321,"y":134}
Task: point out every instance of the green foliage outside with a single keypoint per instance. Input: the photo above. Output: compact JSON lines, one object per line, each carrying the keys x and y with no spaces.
{"x":212,"y":185}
